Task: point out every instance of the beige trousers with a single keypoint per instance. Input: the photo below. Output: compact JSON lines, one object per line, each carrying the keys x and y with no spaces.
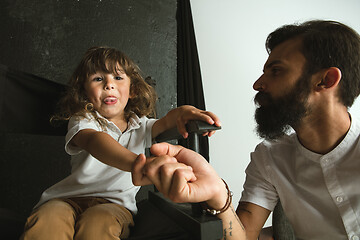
{"x":86,"y":218}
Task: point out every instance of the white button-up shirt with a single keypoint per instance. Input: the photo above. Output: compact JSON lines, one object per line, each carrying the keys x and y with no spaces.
{"x":91,"y":177}
{"x":320,"y":194}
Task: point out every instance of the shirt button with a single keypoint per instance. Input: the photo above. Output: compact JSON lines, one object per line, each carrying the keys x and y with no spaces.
{"x":354,"y":237}
{"x":339,"y":199}
{"x":325,"y":161}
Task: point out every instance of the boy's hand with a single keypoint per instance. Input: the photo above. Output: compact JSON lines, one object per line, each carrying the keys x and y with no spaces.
{"x":180,"y":116}
{"x":187,"y":113}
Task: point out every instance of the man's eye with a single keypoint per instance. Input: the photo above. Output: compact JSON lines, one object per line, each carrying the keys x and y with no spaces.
{"x":275,"y":71}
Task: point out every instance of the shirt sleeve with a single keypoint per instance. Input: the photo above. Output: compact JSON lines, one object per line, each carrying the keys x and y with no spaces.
{"x":148,"y":137}
{"x":258,"y":188}
{"x":75,"y":125}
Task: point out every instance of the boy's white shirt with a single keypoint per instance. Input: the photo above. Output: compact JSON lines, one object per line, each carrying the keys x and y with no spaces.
{"x":89,"y":176}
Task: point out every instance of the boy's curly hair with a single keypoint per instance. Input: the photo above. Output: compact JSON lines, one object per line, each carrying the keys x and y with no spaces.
{"x":105,"y":59}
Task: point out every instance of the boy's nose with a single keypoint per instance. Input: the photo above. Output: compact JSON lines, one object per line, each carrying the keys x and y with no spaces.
{"x":108,"y":87}
{"x":109,"y":84}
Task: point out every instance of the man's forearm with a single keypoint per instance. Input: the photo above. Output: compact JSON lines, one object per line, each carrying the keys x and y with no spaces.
{"x":232,"y":226}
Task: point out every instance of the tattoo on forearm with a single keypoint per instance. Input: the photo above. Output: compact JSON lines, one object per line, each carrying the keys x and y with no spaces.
{"x":242,"y":207}
{"x":228,"y":229}
{"x":237,"y":218}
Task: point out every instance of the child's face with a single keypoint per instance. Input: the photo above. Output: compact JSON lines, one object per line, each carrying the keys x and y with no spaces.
{"x":109,"y":93}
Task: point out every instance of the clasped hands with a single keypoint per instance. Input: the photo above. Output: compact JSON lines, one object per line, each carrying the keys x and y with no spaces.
{"x":181,"y":174}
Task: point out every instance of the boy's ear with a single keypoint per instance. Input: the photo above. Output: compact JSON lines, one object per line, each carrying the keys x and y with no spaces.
{"x":330,"y":78}
{"x":132,"y":94}
{"x":131,"y":91}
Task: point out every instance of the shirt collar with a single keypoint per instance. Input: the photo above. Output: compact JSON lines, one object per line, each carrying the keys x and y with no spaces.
{"x":341,"y":149}
{"x":133,"y":123}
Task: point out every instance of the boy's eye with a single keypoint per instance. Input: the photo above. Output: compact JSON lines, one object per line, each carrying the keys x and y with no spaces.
{"x":118,"y":77}
{"x":97,"y":79}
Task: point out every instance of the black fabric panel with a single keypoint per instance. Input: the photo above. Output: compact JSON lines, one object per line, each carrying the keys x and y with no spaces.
{"x":27,"y":103}
{"x":29,"y":164}
{"x":189,"y":83}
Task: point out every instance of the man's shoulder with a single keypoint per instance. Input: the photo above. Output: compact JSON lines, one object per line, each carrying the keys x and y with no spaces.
{"x":278,"y":148}
{"x":288,"y":140}
{"x":273,"y":152}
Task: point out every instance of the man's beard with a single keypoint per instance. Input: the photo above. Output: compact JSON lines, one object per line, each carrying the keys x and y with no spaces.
{"x":275,"y":117}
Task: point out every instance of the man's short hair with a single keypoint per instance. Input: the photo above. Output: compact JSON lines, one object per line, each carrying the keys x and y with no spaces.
{"x":326,"y":44}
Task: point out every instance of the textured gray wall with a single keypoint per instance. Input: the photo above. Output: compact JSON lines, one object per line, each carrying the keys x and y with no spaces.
{"x":48,"y":38}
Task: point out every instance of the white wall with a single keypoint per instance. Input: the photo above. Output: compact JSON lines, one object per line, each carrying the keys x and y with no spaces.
{"x":230,"y":38}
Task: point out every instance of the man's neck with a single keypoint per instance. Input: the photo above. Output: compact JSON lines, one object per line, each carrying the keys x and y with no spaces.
{"x":321,"y":133}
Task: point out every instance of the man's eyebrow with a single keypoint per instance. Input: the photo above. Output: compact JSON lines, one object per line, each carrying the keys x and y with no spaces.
{"x":270,"y":64}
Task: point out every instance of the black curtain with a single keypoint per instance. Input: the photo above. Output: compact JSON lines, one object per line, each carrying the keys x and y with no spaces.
{"x":189,"y":83}
{"x":27,"y":103}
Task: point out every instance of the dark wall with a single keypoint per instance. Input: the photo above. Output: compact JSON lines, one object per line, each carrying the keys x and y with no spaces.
{"x":48,"y":38}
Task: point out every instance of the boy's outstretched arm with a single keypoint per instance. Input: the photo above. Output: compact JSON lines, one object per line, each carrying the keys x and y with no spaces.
{"x":179,"y":116}
{"x":104,"y":148}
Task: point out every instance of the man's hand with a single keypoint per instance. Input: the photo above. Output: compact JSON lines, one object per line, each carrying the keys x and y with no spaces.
{"x":142,"y":167}
{"x":180,"y":174}
{"x":183,"y":175}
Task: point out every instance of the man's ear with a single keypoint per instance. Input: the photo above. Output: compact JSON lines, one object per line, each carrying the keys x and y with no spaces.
{"x":330,"y":78}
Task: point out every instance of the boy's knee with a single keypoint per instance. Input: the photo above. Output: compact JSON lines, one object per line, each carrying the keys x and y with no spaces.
{"x":105,"y":218}
{"x":52,"y":218}
{"x":99,"y":214}
{"x":55,"y":210}
{"x":53,"y":214}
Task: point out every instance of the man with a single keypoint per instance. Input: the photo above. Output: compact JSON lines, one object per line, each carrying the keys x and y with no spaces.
{"x":310,"y":79}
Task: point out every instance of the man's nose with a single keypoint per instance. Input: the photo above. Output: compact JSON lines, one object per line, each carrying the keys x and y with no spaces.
{"x":259,"y":84}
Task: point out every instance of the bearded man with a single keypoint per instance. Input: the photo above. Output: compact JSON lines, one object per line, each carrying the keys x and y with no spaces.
{"x":310,"y":156}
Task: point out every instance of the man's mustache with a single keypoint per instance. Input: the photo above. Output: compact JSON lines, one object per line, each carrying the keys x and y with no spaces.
{"x":262,"y":98}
